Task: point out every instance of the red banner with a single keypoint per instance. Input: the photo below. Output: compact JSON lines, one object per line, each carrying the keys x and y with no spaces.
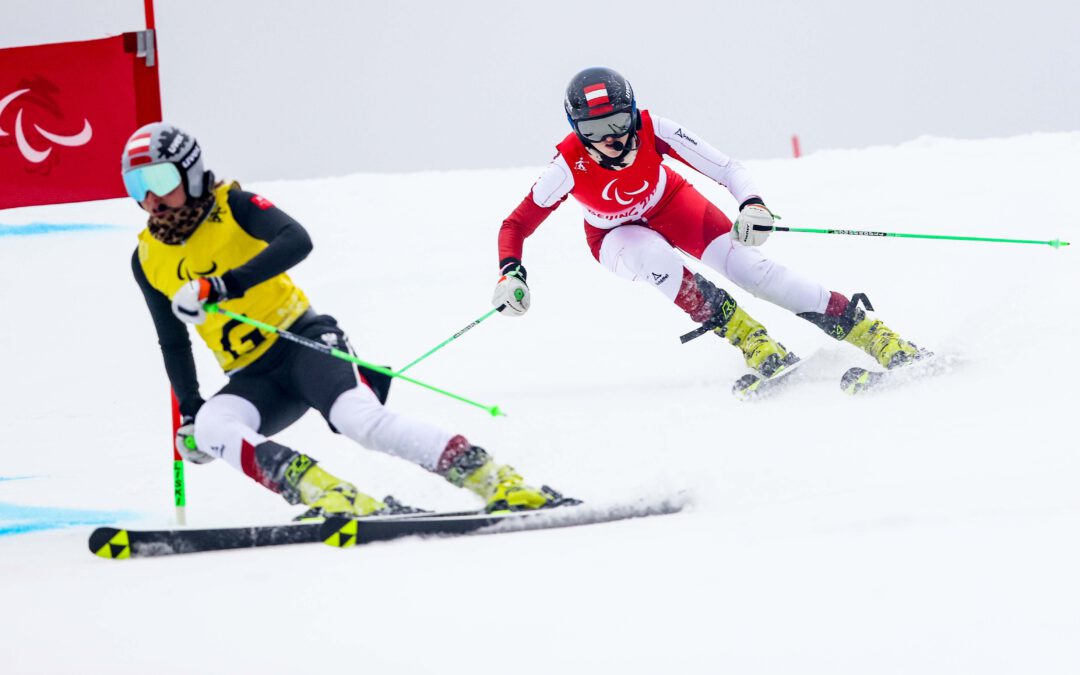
{"x":65,"y":112}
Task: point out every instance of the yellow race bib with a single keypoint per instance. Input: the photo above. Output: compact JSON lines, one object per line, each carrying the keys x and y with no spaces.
{"x":218,"y":245}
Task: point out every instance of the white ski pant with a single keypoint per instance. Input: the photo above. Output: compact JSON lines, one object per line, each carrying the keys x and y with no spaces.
{"x":638,"y":253}
{"x":227,"y":422}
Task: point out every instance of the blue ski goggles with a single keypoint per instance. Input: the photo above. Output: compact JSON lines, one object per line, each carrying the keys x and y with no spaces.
{"x":618,"y":124}
{"x":161,"y":179}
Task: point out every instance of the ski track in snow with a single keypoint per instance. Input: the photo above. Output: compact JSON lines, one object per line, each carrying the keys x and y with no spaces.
{"x":930,"y":528}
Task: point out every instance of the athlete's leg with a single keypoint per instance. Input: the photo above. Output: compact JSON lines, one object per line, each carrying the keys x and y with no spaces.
{"x":234,"y":425}
{"x":695,"y":225}
{"x":224,"y":425}
{"x":748,"y":267}
{"x":637,"y":253}
{"x":335,"y":388}
{"x":227,"y":427}
{"x":357,"y":414}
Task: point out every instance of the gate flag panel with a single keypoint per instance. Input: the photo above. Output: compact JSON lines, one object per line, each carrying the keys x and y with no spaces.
{"x":65,"y":112}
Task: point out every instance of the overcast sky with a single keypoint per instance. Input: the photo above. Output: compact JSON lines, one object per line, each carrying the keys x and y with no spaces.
{"x":277,"y":89}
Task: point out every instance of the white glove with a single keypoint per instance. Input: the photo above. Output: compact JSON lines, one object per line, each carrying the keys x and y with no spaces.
{"x":185,"y":443}
{"x":188,"y":302}
{"x":743,"y":231}
{"x":511,"y":292}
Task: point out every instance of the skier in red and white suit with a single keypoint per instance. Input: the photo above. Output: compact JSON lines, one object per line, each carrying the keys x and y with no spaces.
{"x":639,"y":214}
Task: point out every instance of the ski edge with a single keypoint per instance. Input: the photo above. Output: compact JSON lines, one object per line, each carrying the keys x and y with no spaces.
{"x":350,"y":532}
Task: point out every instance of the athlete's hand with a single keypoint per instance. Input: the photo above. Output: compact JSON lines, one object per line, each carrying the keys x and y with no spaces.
{"x":743,"y":231}
{"x":511,"y":292}
{"x":185,"y":443}
{"x":188,"y":302}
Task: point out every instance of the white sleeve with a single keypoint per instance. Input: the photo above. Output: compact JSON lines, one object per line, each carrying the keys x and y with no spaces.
{"x":553,"y":184}
{"x":705,"y":158}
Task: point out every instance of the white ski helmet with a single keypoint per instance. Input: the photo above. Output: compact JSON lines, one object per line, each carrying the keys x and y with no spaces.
{"x":161,"y":142}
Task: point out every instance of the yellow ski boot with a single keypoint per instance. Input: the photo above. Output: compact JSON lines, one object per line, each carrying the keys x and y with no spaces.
{"x":763,"y":354}
{"x":844,"y":320}
{"x":499,"y":485}
{"x":717,"y":311}
{"x":879,"y":341}
{"x":328,"y":495}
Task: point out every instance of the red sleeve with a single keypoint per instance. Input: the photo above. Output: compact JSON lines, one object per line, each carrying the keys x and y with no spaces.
{"x":519,"y":225}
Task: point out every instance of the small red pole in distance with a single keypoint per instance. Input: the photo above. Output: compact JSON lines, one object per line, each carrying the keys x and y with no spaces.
{"x":795,"y":149}
{"x":179,"y":488}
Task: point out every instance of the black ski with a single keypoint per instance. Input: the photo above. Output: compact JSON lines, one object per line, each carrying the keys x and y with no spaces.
{"x":111,"y":542}
{"x":116,"y":543}
{"x":347,"y":532}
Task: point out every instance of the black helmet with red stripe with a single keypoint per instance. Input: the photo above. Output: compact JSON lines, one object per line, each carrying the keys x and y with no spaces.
{"x":600,"y":103}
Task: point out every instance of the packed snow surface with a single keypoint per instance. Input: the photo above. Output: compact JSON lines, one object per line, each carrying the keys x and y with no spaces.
{"x":932,"y":528}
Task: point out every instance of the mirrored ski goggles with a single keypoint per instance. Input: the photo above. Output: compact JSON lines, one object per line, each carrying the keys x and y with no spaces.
{"x":618,"y":124}
{"x":161,"y":179}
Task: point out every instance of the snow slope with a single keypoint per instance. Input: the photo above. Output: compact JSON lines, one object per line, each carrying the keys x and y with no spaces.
{"x":928,"y":529}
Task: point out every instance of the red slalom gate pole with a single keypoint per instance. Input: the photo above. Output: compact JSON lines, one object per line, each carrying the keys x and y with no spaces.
{"x":795,"y":149}
{"x":179,"y":487}
{"x":147,"y":79}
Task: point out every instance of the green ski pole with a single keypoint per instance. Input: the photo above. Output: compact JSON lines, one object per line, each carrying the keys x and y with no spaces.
{"x":345,"y":356}
{"x":1053,"y":243}
{"x":451,"y":338}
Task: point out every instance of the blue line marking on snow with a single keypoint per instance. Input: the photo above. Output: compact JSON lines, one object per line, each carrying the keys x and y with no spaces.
{"x":4,"y":478}
{"x":50,"y":228}
{"x":17,"y":519}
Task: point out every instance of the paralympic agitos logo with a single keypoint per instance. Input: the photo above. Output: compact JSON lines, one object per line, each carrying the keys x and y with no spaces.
{"x":185,"y":273}
{"x":606,"y":196}
{"x":33,"y":139}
